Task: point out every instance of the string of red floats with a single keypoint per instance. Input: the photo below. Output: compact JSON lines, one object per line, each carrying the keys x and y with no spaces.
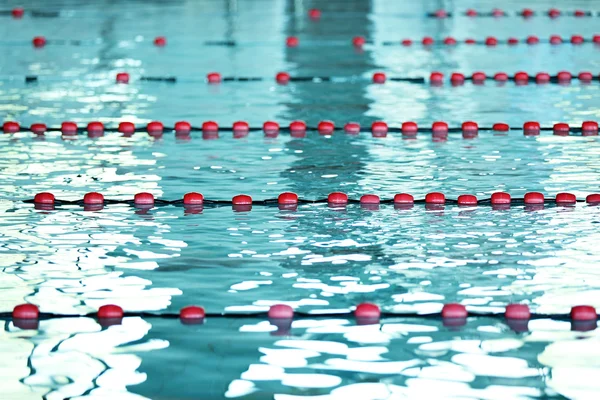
{"x":210,"y":129}
{"x":315,"y":13}
{"x":360,"y":41}
{"x":334,"y":198}
{"x":435,"y":78}
{"x":26,"y":316}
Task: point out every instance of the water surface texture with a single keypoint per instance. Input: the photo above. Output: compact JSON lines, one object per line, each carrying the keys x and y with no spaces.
{"x":70,"y":260}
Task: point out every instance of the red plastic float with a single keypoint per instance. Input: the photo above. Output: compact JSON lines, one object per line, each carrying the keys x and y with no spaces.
{"x":521,"y":78}
{"x":193,"y":199}
{"x":449,"y":41}
{"x":565,"y":198}
{"x":532,"y":39}
{"x":38,"y":129}
{"x":292,"y":41}
{"x":11,"y":127}
{"x":143,"y":199}
{"x":44,"y":198}
{"x":478,"y":77}
{"x":500,"y":127}
{"x":241,"y":128}
{"x":564,"y":76}
{"x":593,"y":198}
{"x":470,"y":41}
{"x":127,"y":128}
{"x":210,"y":127}
{"x":325,"y":128}
{"x":555,"y":39}
{"x":367,"y":311}
{"x":527,"y":12}
{"x":241,"y":200}
{"x":500,"y":198}
{"x":561,"y":129}
{"x":287,"y":198}
{"x":160,"y":41}
{"x":155,"y":128}
{"x":271,"y":128}
{"x":314,"y":13}
{"x":583,"y":313}
{"x":409,"y":128}
{"x":26,"y":311}
{"x":542,"y":77}
{"x":454,"y":310}
{"x":379,"y":129}
{"x":282,"y":78}
{"x":403,"y":198}
{"x":93,"y":198}
{"x":406,"y":42}
{"x":281,"y":311}
{"x":470,"y":127}
{"x":439,"y":128}
{"x":427,"y":41}
{"x":379,"y":77}
{"x":436,"y":78}
{"x":533,"y":198}
{"x":352,"y":128}
{"x":68,"y":128}
{"x":95,"y":128}
{"x":39,"y":41}
{"x":358,"y":41}
{"x":110,"y":311}
{"x":183,"y":128}
{"x":501,"y":77}
{"x":213,"y":77}
{"x":585,"y":77}
{"x":337,"y":198}
{"x":517,"y":311}
{"x":471,"y":13}
{"x":491,"y":41}
{"x":435,"y":198}
{"x":553,"y":13}
{"x":589,"y":128}
{"x":370,"y":199}
{"x":192,"y":313}
{"x":298,"y":128}
{"x":457,"y":78}
{"x":467,"y":200}
{"x":577,"y":39}
{"x":531,"y":128}
{"x":17,"y":12}
{"x":122,"y":77}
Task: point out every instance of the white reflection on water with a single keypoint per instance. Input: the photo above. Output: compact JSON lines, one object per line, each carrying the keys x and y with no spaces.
{"x":75,"y":357}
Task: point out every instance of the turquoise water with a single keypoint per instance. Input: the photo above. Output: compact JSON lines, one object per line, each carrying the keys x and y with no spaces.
{"x":317,"y":259}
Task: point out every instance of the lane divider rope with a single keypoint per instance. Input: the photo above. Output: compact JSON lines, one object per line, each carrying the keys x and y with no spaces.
{"x":211,"y":129}
{"x":357,"y":41}
{"x":435,"y":78}
{"x":145,"y":199}
{"x":517,"y":316}
{"x":315,"y":14}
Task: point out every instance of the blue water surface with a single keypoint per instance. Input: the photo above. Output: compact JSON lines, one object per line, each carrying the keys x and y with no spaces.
{"x":316,"y":258}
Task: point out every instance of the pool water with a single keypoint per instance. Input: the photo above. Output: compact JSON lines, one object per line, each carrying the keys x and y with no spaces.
{"x":319,"y":259}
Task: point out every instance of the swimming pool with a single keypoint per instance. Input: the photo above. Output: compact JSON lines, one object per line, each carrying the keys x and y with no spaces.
{"x":322,"y":259}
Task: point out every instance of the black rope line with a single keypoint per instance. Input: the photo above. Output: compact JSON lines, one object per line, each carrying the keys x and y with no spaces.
{"x":30,"y":79}
{"x":297,"y":315}
{"x":287,"y":129}
{"x":437,"y":14}
{"x":275,"y":202}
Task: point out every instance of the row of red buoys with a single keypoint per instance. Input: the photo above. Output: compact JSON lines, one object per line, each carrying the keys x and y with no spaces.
{"x":359,"y":41}
{"x":283,"y":311}
{"x":526,"y":13}
{"x":435,"y":77}
{"x":378,"y":128}
{"x":286,"y":198}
